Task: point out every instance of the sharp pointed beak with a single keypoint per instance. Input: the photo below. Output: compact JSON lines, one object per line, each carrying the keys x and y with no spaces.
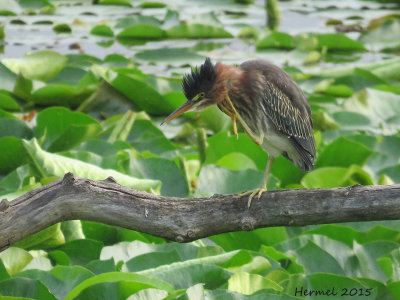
{"x":184,"y":108}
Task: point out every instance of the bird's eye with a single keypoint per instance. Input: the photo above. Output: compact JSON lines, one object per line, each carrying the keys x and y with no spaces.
{"x":199,"y":96}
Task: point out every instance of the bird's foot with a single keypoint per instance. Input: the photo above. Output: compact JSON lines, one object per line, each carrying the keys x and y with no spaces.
{"x":252,"y":193}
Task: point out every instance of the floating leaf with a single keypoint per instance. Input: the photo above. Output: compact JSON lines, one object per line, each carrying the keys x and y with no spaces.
{"x":144,"y":136}
{"x":102,"y":30}
{"x":336,"y":41}
{"x":8,"y":77}
{"x":342,"y":153}
{"x":15,"y":259}
{"x":41,"y":65}
{"x":60,"y":94}
{"x":64,"y":129}
{"x":152,"y":260}
{"x":197,"y":31}
{"x":247,"y":284}
{"x":329,"y":177}
{"x":78,"y":257}
{"x":136,"y":281}
{"x":173,"y":181}
{"x":46,"y":238}
{"x":25,"y":288}
{"x":8,"y":102}
{"x":314,"y":259}
{"x":152,"y":4}
{"x":46,"y":164}
{"x":116,"y":2}
{"x":223,"y":143}
{"x":214,"y":179}
{"x":141,"y":31}
{"x":142,"y":94}
{"x":276,"y":40}
{"x":12,"y":154}
{"x":62,"y":28}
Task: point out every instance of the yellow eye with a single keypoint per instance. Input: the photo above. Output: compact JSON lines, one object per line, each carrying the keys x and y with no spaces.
{"x":202,"y":95}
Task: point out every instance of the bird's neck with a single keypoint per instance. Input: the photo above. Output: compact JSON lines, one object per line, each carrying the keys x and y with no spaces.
{"x":228,"y":77}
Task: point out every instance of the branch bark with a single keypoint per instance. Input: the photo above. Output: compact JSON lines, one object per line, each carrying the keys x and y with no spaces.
{"x":184,"y":220}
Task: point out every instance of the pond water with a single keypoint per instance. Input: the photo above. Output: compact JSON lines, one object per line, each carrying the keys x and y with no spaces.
{"x":27,"y":33}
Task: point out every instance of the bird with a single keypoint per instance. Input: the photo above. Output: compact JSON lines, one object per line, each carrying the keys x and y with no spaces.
{"x":268,"y":104}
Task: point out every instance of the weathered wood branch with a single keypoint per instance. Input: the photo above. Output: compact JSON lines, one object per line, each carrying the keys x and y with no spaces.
{"x":184,"y":220}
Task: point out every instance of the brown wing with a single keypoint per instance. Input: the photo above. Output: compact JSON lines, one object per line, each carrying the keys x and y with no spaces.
{"x":286,"y":106}
{"x":291,"y":121}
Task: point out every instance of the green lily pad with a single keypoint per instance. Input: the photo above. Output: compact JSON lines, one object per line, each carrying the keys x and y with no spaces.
{"x":115,"y":2}
{"x":142,"y":94}
{"x":152,"y":4}
{"x":142,"y":32}
{"x":61,"y":95}
{"x":8,"y":102}
{"x":62,"y":28}
{"x":13,"y":154}
{"x":276,"y":40}
{"x":24,"y":288}
{"x":336,"y":41}
{"x":64,"y":129}
{"x":343,"y":153}
{"x":248,"y":284}
{"x":197,"y":31}
{"x":136,"y":282}
{"x":219,"y":180}
{"x":46,"y":164}
{"x":329,"y":177}
{"x":173,"y":181}
{"x":41,"y":65}
{"x":102,"y":30}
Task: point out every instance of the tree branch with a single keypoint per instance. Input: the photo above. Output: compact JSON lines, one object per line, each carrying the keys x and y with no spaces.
{"x":184,"y":220}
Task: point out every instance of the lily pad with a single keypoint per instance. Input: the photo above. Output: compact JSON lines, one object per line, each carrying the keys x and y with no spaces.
{"x":41,"y":65}
{"x":62,"y":28}
{"x":197,"y":31}
{"x":336,"y":41}
{"x":276,"y":40}
{"x":46,"y":164}
{"x":142,"y":32}
{"x":102,"y":30}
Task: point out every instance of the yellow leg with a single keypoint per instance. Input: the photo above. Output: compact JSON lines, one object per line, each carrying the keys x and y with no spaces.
{"x":263,"y":187}
{"x":234,"y":127}
{"x":232,"y":115}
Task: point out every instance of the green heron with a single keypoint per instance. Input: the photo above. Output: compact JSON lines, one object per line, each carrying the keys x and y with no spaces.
{"x":266,"y":101}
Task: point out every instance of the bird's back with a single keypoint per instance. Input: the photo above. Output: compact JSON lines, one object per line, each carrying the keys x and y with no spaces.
{"x":286,"y":107}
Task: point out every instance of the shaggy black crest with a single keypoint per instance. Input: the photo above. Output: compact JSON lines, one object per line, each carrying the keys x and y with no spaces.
{"x":199,"y":79}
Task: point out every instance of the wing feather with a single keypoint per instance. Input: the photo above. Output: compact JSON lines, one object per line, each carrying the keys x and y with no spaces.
{"x":285,"y":105}
{"x":290,"y":120}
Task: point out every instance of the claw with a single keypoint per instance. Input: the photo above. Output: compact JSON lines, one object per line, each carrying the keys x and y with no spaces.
{"x":252,"y":193}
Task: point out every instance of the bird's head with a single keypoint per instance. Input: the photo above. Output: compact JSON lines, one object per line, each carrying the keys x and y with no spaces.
{"x":197,"y":86}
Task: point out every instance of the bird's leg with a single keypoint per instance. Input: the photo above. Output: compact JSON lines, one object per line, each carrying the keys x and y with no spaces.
{"x":232,"y":115}
{"x":229,"y":113}
{"x":234,"y":127}
{"x":263,"y":186}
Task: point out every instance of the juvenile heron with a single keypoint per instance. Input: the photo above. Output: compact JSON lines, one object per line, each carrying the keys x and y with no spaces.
{"x":266,"y":101}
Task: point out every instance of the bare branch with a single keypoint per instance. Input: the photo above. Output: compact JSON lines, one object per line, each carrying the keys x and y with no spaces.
{"x":184,"y":220}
